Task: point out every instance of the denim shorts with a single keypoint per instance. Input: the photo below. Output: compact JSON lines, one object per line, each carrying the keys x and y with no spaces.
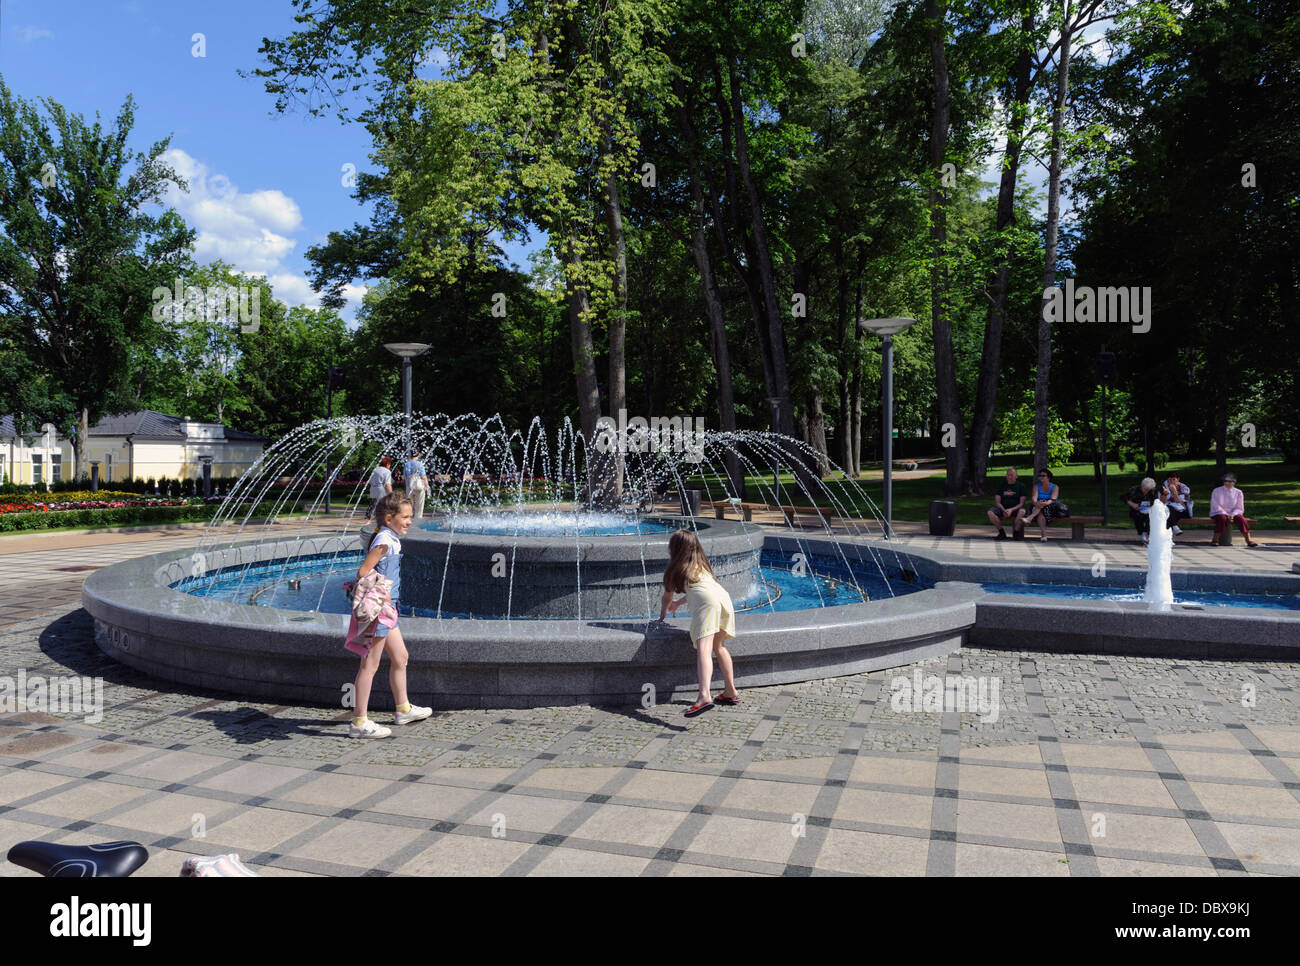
{"x":380,"y":629}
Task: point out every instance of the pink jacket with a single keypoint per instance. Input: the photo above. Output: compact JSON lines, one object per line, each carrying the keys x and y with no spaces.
{"x":1230,"y":503}
{"x":371,"y":606}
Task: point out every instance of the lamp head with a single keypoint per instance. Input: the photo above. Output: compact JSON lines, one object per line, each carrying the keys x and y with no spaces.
{"x":884,"y":327}
{"x":407,"y":350}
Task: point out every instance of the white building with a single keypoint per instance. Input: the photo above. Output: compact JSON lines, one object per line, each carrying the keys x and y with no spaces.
{"x":136,"y":445}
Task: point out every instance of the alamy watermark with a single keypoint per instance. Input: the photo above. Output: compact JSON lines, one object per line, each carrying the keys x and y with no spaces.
{"x":54,"y":695}
{"x":931,"y":693}
{"x":1105,"y":305}
{"x":242,"y":303}
{"x":659,"y":434}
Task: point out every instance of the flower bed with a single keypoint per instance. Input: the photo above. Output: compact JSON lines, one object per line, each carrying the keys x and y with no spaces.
{"x":62,"y":505}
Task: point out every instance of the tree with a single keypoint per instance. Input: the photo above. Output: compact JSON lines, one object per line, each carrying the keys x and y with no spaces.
{"x":79,"y":261}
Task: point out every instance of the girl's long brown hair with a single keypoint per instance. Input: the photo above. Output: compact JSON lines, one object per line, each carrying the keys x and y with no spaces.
{"x":685,"y":558}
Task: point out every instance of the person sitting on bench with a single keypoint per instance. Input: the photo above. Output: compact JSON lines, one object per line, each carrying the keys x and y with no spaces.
{"x":1228,"y":506}
{"x":1006,"y":506}
{"x":1177,"y":496}
{"x":1139,"y":500}
{"x":1046,"y":495}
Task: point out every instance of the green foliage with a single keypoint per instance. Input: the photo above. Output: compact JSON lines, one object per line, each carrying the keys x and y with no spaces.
{"x":1016,"y":431}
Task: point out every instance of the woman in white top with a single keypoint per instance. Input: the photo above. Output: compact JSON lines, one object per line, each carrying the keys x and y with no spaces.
{"x":381,"y":484}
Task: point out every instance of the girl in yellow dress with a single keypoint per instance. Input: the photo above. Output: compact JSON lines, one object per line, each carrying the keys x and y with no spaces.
{"x":713,"y":618}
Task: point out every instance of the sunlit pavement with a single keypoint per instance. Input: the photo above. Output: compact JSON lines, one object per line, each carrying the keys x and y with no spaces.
{"x":1082,"y":766}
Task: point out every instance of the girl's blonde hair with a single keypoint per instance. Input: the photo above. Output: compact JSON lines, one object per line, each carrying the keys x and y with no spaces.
{"x":686,"y":560}
{"x":390,"y":505}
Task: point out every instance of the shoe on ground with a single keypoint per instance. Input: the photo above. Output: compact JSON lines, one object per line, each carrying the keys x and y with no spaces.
{"x":1019,"y":535}
{"x":1145,"y":537}
{"x":415,"y":714}
{"x":1002,"y":534}
{"x":1177,"y":530}
{"x":368,"y":729}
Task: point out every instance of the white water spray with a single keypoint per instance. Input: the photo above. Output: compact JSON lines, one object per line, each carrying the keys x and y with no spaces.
{"x":1160,"y":546}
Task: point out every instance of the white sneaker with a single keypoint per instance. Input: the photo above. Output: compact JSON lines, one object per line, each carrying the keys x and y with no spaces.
{"x":1177,"y":530}
{"x":415,"y":714}
{"x":1144,"y":538}
{"x":368,"y":729}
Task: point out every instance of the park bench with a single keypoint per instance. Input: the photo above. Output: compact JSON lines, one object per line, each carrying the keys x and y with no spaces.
{"x":1077,"y":525}
{"x":746,"y":510}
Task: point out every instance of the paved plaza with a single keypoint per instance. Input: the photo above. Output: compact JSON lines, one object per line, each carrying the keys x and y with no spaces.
{"x":1091,"y":766}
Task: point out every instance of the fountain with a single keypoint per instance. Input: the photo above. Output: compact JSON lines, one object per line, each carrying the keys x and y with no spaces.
{"x":536,"y":574}
{"x":1160,"y":551}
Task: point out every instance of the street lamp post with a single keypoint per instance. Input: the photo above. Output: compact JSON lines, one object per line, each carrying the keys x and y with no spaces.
{"x":407,"y":351}
{"x":887,"y":329}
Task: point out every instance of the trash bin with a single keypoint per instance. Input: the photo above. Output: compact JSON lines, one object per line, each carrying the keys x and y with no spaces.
{"x":943,"y":518}
{"x":691,"y":502}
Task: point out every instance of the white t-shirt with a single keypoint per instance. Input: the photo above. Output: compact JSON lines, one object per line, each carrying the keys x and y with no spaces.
{"x":389,"y":539}
{"x":379,"y":480}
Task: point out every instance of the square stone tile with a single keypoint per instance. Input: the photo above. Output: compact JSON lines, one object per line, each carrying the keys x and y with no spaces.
{"x":1259,"y":843}
{"x":1117,"y":790}
{"x":782,"y":798}
{"x":86,"y":799}
{"x":911,"y":772}
{"x":11,"y":833}
{"x":1029,"y":754}
{"x":172,"y":814}
{"x":479,"y":855}
{"x":252,"y":778}
{"x":1247,"y":801}
{"x":335,"y":790}
{"x":870,"y":853}
{"x":649,"y":827}
{"x":1032,"y":823}
{"x":111,"y":756}
{"x":19,"y":784}
{"x":990,"y":860}
{"x":364,"y":845}
{"x":255,"y":830}
{"x":526,"y":812}
{"x":1125,"y":755}
{"x":1280,"y":741}
{"x":172,"y":766}
{"x":992,"y":780}
{"x":1208,"y":764}
{"x":798,"y":767}
{"x":562,"y":861}
{"x":667,"y":786}
{"x":885,"y":808}
{"x":457,"y":776}
{"x":587,"y":781}
{"x":427,"y":800}
{"x":681,"y":870}
{"x":744,"y":838}
{"x":1202,"y":739}
{"x":1146,"y":833}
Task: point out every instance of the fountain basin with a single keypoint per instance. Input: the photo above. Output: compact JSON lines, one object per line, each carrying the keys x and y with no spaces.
{"x":264,"y":652}
{"x":579,"y":576}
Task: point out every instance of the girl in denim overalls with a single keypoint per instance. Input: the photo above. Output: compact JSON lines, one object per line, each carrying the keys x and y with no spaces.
{"x":393,"y":515}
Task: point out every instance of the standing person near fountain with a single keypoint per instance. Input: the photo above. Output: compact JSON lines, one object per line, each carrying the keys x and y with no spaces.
{"x":393,"y":517}
{"x":381,"y":485}
{"x":417,"y":484}
{"x":713,"y":617}
{"x":1228,"y":507}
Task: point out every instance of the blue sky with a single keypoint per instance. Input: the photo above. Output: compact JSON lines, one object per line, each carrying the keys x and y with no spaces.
{"x":264,"y":187}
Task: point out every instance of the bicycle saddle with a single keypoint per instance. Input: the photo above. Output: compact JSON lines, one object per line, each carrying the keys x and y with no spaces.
{"x":113,"y":860}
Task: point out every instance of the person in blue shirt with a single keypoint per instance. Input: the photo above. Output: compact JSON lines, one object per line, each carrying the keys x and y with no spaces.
{"x":417,"y":485}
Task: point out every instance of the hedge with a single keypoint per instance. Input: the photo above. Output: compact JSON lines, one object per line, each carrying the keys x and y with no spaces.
{"x":125,"y":516}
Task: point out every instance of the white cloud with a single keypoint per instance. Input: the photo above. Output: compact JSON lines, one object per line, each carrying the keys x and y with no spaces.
{"x":250,"y":230}
{"x":29,"y":34}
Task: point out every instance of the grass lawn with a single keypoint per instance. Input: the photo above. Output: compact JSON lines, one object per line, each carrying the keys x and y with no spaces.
{"x":1271,"y":488}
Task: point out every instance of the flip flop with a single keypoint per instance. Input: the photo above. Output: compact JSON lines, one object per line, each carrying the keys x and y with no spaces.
{"x":695,"y":709}
{"x":727,"y":701}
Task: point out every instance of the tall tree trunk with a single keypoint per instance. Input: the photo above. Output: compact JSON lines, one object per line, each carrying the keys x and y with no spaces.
{"x":783,"y":410}
{"x":844,"y":418}
{"x":981,"y":434}
{"x":816,"y":418}
{"x":618,"y":319}
{"x":1043,"y":376}
{"x":945,"y":370}
{"x":584,"y":351}
{"x":83,"y":436}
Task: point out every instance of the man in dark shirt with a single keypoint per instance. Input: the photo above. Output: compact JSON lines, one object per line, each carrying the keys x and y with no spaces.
{"x":1010,"y":498}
